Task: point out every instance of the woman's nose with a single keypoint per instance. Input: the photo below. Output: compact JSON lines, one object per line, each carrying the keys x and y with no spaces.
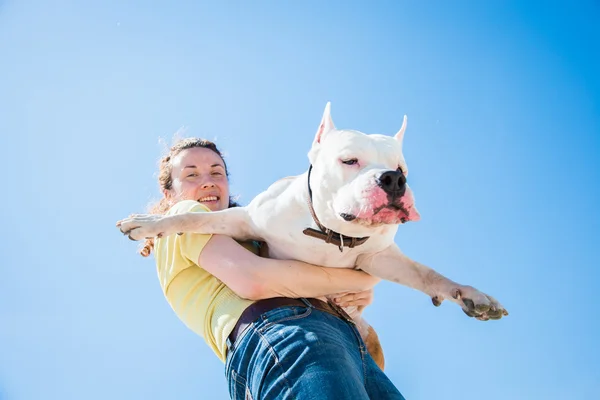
{"x":208,"y":184}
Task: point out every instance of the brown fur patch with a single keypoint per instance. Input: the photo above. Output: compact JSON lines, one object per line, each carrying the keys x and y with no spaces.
{"x":374,"y":348}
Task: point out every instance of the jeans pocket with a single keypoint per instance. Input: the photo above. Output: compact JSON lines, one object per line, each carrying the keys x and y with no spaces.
{"x":238,"y":387}
{"x":282,"y":315}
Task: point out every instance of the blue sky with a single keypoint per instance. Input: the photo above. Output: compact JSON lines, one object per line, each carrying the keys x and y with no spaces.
{"x":503,"y":105}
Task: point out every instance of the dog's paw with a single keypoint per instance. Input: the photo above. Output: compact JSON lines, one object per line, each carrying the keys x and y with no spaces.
{"x":477,"y":304}
{"x":142,"y":226}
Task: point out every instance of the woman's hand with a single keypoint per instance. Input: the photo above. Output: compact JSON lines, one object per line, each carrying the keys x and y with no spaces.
{"x":359,"y":299}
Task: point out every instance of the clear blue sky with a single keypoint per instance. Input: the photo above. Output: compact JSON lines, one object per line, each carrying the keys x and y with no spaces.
{"x":503,"y":105}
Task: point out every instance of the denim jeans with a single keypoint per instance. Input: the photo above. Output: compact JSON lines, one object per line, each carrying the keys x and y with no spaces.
{"x":303,"y":353}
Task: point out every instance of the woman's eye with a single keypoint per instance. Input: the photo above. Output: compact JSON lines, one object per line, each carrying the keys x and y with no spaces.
{"x":192,"y":175}
{"x":217,"y":173}
{"x":350,"y":161}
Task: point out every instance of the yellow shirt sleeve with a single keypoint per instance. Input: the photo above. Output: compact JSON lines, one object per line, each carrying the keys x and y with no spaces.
{"x":175,"y":253}
{"x":200,"y":300}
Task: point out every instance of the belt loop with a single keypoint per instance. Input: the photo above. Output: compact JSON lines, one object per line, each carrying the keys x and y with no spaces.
{"x":305,"y":301}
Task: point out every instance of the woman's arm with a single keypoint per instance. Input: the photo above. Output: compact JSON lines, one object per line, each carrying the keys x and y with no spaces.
{"x":253,"y":277}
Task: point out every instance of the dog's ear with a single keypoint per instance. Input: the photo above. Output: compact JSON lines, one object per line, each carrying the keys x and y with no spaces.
{"x":326,"y":124}
{"x":400,"y":135}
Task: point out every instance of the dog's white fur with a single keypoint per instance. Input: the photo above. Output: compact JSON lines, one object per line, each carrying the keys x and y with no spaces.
{"x":279,"y":215}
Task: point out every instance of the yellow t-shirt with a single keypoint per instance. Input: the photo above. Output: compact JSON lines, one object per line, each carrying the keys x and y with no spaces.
{"x":200,"y":300}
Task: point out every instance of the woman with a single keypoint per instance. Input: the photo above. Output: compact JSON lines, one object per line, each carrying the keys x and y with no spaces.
{"x":260,"y":316}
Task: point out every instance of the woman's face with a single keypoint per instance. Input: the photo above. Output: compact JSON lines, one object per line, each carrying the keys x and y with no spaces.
{"x":199,"y":174}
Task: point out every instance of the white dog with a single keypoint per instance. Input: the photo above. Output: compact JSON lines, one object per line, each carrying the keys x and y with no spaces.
{"x":343,"y":212}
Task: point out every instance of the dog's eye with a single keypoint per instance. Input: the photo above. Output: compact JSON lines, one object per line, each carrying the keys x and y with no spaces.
{"x":350,"y":161}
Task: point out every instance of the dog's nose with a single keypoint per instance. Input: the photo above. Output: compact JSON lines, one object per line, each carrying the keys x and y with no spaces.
{"x":393,"y":182}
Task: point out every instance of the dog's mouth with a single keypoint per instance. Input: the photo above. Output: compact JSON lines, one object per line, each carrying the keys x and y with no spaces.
{"x":397,"y":212}
{"x":373,"y":207}
{"x":391,"y":213}
{"x":395,"y":208}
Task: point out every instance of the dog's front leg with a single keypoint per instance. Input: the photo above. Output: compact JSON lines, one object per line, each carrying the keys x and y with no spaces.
{"x":232,"y":222}
{"x":392,"y":265}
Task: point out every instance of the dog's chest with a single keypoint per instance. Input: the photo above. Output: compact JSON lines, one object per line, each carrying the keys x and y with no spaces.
{"x":312,"y":250}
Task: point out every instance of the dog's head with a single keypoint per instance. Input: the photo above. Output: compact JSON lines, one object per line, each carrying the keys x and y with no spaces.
{"x":359,"y":178}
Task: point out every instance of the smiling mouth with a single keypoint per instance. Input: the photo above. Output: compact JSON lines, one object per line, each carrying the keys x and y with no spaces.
{"x":208,"y":199}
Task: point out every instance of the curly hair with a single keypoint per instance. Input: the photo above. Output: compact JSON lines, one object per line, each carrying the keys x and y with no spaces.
{"x":165,"y":180}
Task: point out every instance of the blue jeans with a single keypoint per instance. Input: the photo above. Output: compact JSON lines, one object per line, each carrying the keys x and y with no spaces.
{"x":303,"y":353}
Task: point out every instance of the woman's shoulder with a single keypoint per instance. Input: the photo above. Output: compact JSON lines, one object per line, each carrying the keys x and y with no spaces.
{"x":184,"y":206}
